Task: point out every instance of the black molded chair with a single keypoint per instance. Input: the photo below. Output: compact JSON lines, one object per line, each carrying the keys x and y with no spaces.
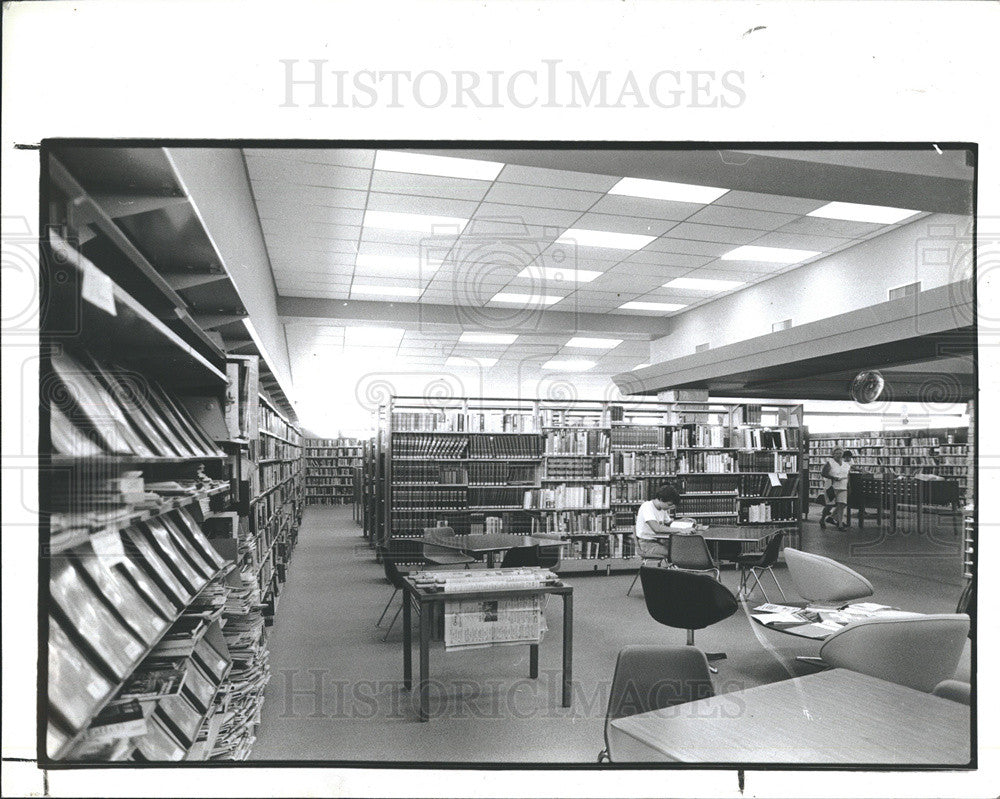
{"x":647,"y":550}
{"x":442,"y":556}
{"x":394,"y":553}
{"x":754,"y":564}
{"x":686,"y":600}
{"x":689,"y":552}
{"x":653,"y":677}
{"x":521,"y":556}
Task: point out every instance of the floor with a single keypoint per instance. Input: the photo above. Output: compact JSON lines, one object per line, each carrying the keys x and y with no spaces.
{"x":336,"y":695}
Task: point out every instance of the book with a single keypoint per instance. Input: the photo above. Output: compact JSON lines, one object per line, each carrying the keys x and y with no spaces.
{"x":117,"y":720}
{"x":155,"y":678}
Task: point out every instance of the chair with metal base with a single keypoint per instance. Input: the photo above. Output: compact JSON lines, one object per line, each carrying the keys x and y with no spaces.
{"x":401,"y":550}
{"x":520,"y":556}
{"x":647,"y":550}
{"x":442,"y":556}
{"x":653,"y":677}
{"x":690,"y":552}
{"x":753,"y":565}
{"x":686,"y":600}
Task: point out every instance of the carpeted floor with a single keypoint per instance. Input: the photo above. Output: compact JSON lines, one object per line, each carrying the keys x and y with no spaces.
{"x":336,"y":694}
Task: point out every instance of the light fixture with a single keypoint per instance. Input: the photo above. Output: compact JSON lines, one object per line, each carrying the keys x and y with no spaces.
{"x":858,"y":212}
{"x":702,"y":284}
{"x":605,"y":238}
{"x":420,"y":223}
{"x":395,"y":263}
{"x":665,"y":190}
{"x":487,"y":338}
{"x":557,"y":274}
{"x":469,"y":362}
{"x":582,"y":342}
{"x":640,"y":366}
{"x":569,"y":365}
{"x":776,"y":255}
{"x":444,"y":166}
{"x":388,"y":291}
{"x":526,"y":299}
{"x":638,"y":305}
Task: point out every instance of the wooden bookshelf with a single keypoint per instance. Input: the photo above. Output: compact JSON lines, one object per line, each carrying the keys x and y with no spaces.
{"x":579,"y":471}
{"x":330,"y":469}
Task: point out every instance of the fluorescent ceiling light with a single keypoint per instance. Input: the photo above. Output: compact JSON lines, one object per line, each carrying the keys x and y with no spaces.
{"x":487,"y":338}
{"x":372,"y":336}
{"x":640,"y":366}
{"x":569,"y":365}
{"x":446,"y":167}
{"x":605,"y":238}
{"x":858,"y":212}
{"x":777,"y":255}
{"x":702,"y":284}
{"x":559,"y":273}
{"x":395,"y":263}
{"x":421,"y":223}
{"x":389,"y":291}
{"x":593,"y":343}
{"x":526,"y":299}
{"x":652,"y":306}
{"x":469,"y":362}
{"x":665,"y":190}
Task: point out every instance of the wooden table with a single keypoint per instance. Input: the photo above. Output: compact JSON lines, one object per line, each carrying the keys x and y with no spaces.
{"x":833,"y":717}
{"x":488,"y":544}
{"x":428,"y":599}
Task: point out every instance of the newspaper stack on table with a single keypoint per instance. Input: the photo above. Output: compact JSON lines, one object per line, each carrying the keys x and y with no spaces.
{"x":476,"y":623}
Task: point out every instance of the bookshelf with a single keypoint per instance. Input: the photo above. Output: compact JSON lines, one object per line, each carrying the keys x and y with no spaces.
{"x":160,"y":452}
{"x":940,"y":451}
{"x":330,"y":466}
{"x":579,"y":471}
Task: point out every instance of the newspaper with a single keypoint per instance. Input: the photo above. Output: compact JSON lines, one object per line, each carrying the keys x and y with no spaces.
{"x":471,"y":623}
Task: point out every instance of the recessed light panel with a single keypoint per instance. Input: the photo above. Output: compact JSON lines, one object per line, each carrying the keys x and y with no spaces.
{"x":388,"y":291}
{"x":774,"y":255}
{"x":665,"y":190}
{"x":419,"y":164}
{"x":858,"y":212}
{"x":558,"y":274}
{"x":570,"y":365}
{"x":508,"y":298}
{"x":640,"y":366}
{"x":593,"y":343}
{"x":420,"y":223}
{"x":605,"y":238}
{"x":395,"y":263}
{"x":702,"y":284}
{"x":637,"y":305}
{"x":487,"y":338}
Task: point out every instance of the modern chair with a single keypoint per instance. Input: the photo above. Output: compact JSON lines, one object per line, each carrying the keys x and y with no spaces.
{"x":955,"y":690}
{"x":549,"y":557}
{"x":686,"y":600}
{"x":441,"y":556}
{"x":918,"y":652}
{"x":820,"y":579}
{"x":395,"y":552}
{"x":653,"y":677}
{"x":689,"y":552}
{"x":647,"y":551}
{"x":520,"y":556}
{"x":753,"y":565}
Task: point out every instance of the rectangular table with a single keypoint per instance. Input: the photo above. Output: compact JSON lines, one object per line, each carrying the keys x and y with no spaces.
{"x":488,"y":544}
{"x":428,"y":599}
{"x":727,"y":534}
{"x":833,"y":717}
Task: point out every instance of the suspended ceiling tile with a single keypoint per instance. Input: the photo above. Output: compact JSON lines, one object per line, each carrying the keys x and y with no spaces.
{"x":277,"y":229}
{"x":815,"y":226}
{"x":802,"y":242}
{"x":289,"y":194}
{"x":667,"y":259}
{"x":622,"y":205}
{"x":350,"y":157}
{"x":769,"y":202}
{"x":289,"y":212}
{"x":429,"y":185}
{"x":625,"y":271}
{"x":624,"y":224}
{"x":673,"y":244}
{"x":557,"y":178}
{"x":527,"y":215}
{"x":296,"y":173}
{"x":541,"y":196}
{"x":714,"y":233}
{"x":410,"y":238}
{"x":412,"y":204}
{"x":741,"y":217}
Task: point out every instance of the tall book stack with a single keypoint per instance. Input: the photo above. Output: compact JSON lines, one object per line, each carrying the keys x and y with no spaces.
{"x":330,"y":469}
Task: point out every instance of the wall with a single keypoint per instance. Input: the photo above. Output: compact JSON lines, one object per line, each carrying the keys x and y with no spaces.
{"x":933,"y":250}
{"x":216,"y":180}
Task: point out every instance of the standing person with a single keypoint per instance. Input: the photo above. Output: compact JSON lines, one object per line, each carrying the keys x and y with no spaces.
{"x":658,"y":509}
{"x":836,"y":470}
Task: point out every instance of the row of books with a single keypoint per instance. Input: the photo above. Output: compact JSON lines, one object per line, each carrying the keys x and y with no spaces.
{"x":557,"y":468}
{"x":634,"y":490}
{"x":613,"y":545}
{"x":331,"y":463}
{"x":99,"y":409}
{"x":768,"y":512}
{"x":486,"y":446}
{"x":640,"y":463}
{"x":705,"y":462}
{"x":700,"y":435}
{"x":334,"y":443}
{"x":429,"y":473}
{"x":597,"y":495}
{"x":428,"y":497}
{"x":448,"y":421}
{"x":270,"y":448}
{"x":329,"y":471}
{"x":572,"y":417}
{"x":272,"y":422}
{"x":431,"y":447}
{"x":639,"y":438}
{"x":697,"y":505}
{"x":577,"y":442}
{"x":503,"y":473}
{"x":324,"y":499}
{"x":573,"y":523}
{"x":767,"y":462}
{"x":496,"y":497}
{"x":270,"y":475}
{"x":326,"y":489}
{"x":766,"y":438}
{"x":406,"y":522}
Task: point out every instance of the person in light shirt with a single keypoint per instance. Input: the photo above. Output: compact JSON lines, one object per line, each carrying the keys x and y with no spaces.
{"x":658,"y":509}
{"x":836,"y":470}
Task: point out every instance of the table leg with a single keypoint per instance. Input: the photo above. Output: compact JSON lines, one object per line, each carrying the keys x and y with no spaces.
{"x":533,"y":661}
{"x":425,"y":658}
{"x":567,"y":664}
{"x":407,"y":643}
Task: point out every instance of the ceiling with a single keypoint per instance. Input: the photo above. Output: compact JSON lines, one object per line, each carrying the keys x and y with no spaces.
{"x":316,"y":205}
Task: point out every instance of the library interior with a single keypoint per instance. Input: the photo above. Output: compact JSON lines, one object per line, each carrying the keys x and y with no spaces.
{"x":653,"y":454}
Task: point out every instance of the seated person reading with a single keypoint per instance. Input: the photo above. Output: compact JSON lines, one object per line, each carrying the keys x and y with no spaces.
{"x":658,"y":510}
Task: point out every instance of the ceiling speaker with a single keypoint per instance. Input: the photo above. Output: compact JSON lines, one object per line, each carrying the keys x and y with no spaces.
{"x":867,"y":387}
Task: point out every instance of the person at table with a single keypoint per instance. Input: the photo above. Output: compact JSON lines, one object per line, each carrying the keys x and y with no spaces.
{"x":658,"y":509}
{"x":837,"y":470}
